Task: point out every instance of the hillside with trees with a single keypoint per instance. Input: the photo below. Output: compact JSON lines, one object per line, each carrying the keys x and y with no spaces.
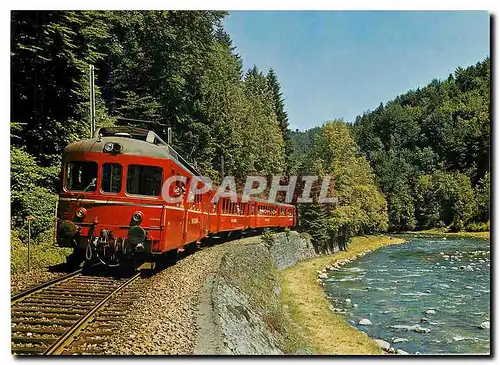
{"x":361,"y":208}
{"x":429,"y":149}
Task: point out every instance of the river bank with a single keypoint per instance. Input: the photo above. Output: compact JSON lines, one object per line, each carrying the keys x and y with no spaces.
{"x":324,"y":331}
{"x":439,"y":233}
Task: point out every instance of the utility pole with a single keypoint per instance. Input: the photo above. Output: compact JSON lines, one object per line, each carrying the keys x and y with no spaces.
{"x":222,"y":165}
{"x":29,"y":240}
{"x":92,"y":101}
{"x":169,"y":135}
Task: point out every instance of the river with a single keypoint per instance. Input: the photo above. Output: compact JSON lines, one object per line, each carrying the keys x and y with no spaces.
{"x":438,"y":284}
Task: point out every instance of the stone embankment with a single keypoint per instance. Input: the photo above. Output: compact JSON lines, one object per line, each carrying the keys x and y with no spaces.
{"x":240,"y":308}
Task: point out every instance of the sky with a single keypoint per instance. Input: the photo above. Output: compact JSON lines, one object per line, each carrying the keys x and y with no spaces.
{"x":339,"y":64}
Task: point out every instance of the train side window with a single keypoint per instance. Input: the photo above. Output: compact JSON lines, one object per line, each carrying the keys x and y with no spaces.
{"x":81,"y":176}
{"x":111,"y":178}
{"x":144,"y":180}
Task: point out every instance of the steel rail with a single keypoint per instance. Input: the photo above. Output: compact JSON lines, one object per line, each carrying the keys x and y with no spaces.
{"x":70,"y":335}
{"x":20,"y":296}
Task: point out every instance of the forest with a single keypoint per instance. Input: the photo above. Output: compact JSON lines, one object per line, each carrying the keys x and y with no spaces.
{"x":420,"y":161}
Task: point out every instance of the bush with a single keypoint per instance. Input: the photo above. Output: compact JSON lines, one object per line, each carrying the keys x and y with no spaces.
{"x":444,"y":199}
{"x":267,"y":238}
{"x":478,"y":227}
{"x":43,"y":252}
{"x":33,"y":193}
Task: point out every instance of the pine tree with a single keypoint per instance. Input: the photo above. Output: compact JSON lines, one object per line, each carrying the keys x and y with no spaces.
{"x":314,"y":220}
{"x":281,"y":114}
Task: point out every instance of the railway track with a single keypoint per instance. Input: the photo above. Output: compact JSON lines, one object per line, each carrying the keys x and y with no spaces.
{"x":48,"y":319}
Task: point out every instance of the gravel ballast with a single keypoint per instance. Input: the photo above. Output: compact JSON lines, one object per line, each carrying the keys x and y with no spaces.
{"x":164,"y":320}
{"x":23,"y":281}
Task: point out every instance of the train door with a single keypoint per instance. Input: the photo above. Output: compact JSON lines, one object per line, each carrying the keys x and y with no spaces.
{"x":252,"y":212}
{"x":211,"y":210}
{"x":174,"y":214}
{"x":143,"y":186}
{"x":194,"y":216}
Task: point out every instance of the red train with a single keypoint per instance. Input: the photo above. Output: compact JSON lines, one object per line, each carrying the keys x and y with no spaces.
{"x":111,"y":205}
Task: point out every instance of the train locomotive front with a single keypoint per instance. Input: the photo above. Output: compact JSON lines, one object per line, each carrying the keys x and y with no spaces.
{"x":110,"y":205}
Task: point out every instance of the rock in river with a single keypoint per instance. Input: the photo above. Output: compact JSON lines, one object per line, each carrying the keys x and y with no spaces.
{"x":384,"y":345}
{"x":399,"y":339}
{"x":430,"y":311}
{"x":485,"y":325}
{"x":323,"y":276}
{"x":415,"y":328}
{"x":401,"y":352}
{"x":365,"y":322}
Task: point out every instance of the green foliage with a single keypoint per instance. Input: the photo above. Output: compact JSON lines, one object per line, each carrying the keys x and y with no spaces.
{"x":262,"y":139}
{"x":482,"y":198}
{"x":301,"y":142}
{"x":50,"y":56}
{"x":267,"y":238}
{"x":313,"y":219}
{"x":242,"y":118}
{"x":32,"y":193}
{"x":281,"y":114}
{"x":443,"y":128}
{"x":361,"y":208}
{"x":444,"y":199}
{"x":478,"y":227}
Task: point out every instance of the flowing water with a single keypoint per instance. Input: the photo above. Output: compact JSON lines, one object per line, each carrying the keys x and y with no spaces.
{"x":395,"y":286}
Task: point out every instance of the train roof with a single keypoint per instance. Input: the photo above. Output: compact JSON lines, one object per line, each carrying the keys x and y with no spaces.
{"x":130,"y":146}
{"x":135,"y":141}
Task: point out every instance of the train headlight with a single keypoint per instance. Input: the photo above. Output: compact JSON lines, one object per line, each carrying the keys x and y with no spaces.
{"x":108,"y":147}
{"x":117,"y":148}
{"x":82,"y":212}
{"x":137,"y":217}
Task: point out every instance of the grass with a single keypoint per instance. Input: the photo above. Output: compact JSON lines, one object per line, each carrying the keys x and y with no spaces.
{"x":439,"y":232}
{"x":324,"y":331}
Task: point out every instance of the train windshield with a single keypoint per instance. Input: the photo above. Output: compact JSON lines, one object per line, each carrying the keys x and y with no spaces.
{"x":144,"y":180}
{"x":81,"y":176}
{"x":111,"y":178}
